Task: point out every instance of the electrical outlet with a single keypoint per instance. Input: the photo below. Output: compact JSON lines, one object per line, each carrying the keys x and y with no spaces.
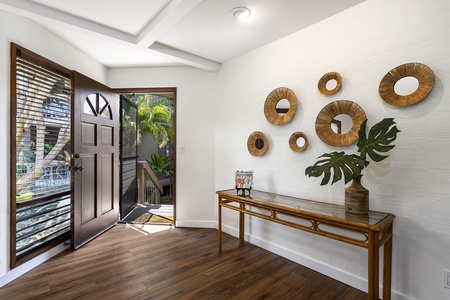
{"x":447,"y":279}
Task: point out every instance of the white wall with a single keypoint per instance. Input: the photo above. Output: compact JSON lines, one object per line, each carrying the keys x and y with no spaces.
{"x":196,"y":98}
{"x":35,"y":38}
{"x":362,"y":44}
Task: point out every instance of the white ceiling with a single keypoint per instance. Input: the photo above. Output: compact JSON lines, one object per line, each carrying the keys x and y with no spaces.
{"x":147,"y":33}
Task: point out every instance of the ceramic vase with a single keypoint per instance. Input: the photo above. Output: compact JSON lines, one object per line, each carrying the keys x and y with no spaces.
{"x":357,"y":197}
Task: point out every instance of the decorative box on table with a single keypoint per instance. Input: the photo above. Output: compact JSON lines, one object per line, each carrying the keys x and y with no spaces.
{"x":243,"y":182}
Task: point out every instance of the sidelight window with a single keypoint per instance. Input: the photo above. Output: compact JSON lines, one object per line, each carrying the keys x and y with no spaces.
{"x":40,"y":151}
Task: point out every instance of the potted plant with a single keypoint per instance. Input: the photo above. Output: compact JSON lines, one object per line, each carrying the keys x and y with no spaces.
{"x":350,"y":166}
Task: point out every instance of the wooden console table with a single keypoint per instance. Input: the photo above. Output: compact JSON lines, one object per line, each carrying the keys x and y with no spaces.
{"x":370,"y":231}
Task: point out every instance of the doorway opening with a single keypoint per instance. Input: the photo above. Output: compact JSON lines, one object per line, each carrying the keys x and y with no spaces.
{"x":155,"y":155}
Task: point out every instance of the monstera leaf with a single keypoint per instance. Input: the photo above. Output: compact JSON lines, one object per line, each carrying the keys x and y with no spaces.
{"x":338,"y":162}
{"x":379,"y":140}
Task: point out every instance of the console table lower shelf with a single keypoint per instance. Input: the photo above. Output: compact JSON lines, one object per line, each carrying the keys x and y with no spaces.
{"x":371,"y":231}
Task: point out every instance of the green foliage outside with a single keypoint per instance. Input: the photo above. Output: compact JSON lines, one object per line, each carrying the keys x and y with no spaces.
{"x":155,"y":116}
{"x":350,"y":166}
{"x":161,"y":165}
{"x":28,"y":154}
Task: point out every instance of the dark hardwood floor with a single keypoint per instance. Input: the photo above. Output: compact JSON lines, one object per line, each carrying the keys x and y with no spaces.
{"x":127,"y":262}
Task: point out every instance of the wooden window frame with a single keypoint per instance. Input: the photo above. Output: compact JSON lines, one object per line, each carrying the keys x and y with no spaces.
{"x":30,"y":56}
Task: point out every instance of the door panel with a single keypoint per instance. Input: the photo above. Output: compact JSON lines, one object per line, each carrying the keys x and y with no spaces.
{"x":88,"y":211}
{"x":107,"y":136}
{"x":88,"y":134}
{"x":95,"y":204}
{"x":107,"y":182}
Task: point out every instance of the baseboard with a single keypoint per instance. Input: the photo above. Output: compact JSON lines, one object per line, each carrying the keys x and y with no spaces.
{"x":196,"y":224}
{"x":22,"y":269}
{"x":344,"y":277}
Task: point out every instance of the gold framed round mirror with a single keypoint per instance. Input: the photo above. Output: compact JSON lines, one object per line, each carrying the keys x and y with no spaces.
{"x":280,"y":106}
{"x":406,"y":84}
{"x":257,"y":143}
{"x":330,"y":83}
{"x":328,"y":124}
{"x":298,"y":141}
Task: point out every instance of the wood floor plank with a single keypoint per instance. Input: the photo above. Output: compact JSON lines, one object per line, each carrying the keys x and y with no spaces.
{"x":133,"y":262}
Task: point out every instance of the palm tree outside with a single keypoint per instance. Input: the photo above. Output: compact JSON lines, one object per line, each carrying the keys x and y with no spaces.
{"x":155,"y":116}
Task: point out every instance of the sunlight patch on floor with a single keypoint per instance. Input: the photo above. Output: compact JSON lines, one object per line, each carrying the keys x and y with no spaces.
{"x":148,"y":229}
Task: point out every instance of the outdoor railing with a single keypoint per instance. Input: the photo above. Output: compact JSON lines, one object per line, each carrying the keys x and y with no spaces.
{"x":48,"y":218}
{"x":149,"y":188}
{"x":56,"y":179}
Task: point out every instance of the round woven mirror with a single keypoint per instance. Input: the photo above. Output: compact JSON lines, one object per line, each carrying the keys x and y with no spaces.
{"x":257,"y":143}
{"x":298,"y":141}
{"x":280,"y":114}
{"x":330,"y":83}
{"x":327,"y":121}
{"x":417,"y":75}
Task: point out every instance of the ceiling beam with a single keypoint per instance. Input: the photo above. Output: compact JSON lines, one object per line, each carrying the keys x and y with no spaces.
{"x":187,"y":58}
{"x":166,"y":20}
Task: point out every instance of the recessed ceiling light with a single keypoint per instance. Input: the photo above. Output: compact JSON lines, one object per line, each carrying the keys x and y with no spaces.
{"x":240,"y":13}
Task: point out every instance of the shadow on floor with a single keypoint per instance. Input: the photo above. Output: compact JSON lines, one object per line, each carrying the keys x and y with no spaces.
{"x":150,"y":214}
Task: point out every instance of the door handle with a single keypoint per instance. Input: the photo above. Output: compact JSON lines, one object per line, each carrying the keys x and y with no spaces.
{"x":78,"y":168}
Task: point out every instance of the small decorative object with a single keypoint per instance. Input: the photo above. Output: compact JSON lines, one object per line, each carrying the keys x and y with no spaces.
{"x":280,"y":115}
{"x":417,"y":73}
{"x":257,"y":143}
{"x":330,"y":83}
{"x":378,"y":141}
{"x":298,"y":141}
{"x":325,"y":122}
{"x":243,"y":182}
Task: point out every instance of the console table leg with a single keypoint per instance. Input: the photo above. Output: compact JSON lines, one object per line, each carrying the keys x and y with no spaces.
{"x":219,"y":226}
{"x":387,"y":269}
{"x":373,"y":260}
{"x":241,"y":224}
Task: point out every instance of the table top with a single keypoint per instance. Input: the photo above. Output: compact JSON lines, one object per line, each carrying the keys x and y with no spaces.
{"x":307,"y":207}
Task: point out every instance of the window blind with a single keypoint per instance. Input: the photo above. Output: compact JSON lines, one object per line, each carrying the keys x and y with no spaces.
{"x":42,"y":153}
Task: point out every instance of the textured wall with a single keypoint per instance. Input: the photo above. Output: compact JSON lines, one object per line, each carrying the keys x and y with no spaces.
{"x":362,"y":44}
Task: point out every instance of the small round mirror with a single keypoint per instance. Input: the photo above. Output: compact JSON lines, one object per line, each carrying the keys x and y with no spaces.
{"x":301,"y":142}
{"x":282,"y":106}
{"x":331,"y":84}
{"x":259,"y":143}
{"x":341,"y":124}
{"x":406,"y":86}
{"x":298,"y":141}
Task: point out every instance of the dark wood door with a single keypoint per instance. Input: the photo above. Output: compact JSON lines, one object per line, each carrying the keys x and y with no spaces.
{"x":95,"y":201}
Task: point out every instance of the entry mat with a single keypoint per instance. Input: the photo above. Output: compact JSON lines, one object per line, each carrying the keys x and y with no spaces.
{"x":149,"y":218}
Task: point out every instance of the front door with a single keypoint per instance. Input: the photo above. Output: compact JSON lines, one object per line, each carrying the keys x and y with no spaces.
{"x":95,"y":201}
